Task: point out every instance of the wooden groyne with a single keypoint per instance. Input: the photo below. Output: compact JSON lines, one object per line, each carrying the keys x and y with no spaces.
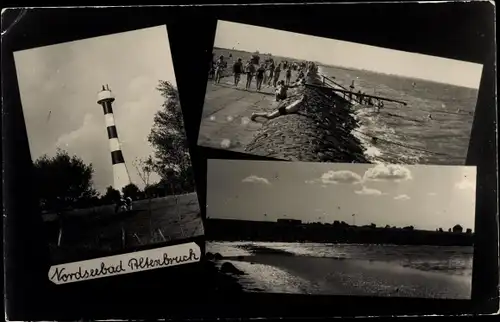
{"x":320,"y":132}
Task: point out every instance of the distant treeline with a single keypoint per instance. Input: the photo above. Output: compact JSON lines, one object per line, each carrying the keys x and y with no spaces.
{"x":339,"y":232}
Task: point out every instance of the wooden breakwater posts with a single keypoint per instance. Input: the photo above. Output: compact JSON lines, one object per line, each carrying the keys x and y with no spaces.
{"x":320,"y":132}
{"x":350,"y":95}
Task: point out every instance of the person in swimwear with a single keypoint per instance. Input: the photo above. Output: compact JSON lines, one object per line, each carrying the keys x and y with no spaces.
{"x":277,"y":72}
{"x":281,"y":92}
{"x":250,"y":70}
{"x":259,"y":76}
{"x":288,"y":75}
{"x":237,"y":71}
{"x":219,"y":68}
{"x":270,"y":73}
{"x":281,"y":110}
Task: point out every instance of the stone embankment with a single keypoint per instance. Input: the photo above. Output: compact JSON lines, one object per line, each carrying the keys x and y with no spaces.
{"x":320,"y":132}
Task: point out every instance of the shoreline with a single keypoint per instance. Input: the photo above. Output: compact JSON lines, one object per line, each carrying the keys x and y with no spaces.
{"x":320,"y":132}
{"x":330,"y":276}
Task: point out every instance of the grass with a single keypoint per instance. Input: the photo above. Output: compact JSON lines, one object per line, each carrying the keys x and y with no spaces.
{"x":96,"y":232}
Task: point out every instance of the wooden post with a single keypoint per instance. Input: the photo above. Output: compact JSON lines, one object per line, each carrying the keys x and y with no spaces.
{"x":323,"y":79}
{"x":161,"y":234}
{"x":138,"y":239}
{"x":59,"y":238}
{"x":123,"y":238}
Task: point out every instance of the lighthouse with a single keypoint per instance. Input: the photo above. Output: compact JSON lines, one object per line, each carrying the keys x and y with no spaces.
{"x":121,"y":177}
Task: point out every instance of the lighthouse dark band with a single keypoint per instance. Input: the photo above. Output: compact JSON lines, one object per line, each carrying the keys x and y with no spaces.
{"x":117,"y":157}
{"x":106,"y":107}
{"x":112,"y":132}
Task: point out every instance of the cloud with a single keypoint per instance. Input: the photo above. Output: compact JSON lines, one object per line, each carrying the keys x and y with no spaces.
{"x":255,"y":179}
{"x":368,"y":192}
{"x":466,"y":184}
{"x":338,"y":177}
{"x":432,"y":194}
{"x":388,"y":172}
{"x":402,"y":197}
{"x":82,"y":132}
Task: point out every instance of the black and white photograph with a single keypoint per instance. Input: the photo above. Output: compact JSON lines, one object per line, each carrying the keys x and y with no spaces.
{"x":111,"y":165}
{"x":298,"y":97}
{"x":341,"y":228}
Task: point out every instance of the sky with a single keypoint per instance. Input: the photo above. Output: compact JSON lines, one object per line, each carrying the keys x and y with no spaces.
{"x":347,"y":54}
{"x":59,"y":85}
{"x":426,"y":197}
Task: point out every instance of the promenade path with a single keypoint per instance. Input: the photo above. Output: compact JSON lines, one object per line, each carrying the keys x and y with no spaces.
{"x":227,"y":110}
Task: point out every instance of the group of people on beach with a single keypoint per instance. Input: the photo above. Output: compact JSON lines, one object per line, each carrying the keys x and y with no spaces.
{"x":267,"y":73}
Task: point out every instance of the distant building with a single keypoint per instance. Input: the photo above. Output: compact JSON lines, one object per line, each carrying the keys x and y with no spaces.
{"x":289,"y":221}
{"x":457,"y":229}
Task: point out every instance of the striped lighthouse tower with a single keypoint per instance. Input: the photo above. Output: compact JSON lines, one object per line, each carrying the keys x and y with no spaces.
{"x":120,"y":174}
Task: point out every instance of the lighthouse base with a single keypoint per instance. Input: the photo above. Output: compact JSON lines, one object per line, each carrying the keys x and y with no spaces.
{"x":120,"y":176}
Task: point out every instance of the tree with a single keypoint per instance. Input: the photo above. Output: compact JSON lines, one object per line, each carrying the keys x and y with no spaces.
{"x":111,"y":196}
{"x":172,"y":161}
{"x":63,"y":182}
{"x":132,"y":191}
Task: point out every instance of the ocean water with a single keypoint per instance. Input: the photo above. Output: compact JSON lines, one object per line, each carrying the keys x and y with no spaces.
{"x":427,"y":271}
{"x":406,"y":134}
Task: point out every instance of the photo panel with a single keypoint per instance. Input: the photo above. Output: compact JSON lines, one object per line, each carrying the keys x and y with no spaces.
{"x":259,"y":270}
{"x":342,"y":228}
{"x":292,"y":96}
{"x":111,"y":165}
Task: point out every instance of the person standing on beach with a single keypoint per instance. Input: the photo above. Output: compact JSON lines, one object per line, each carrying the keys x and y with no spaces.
{"x":270,"y":74}
{"x":237,"y":70}
{"x":259,"y":76}
{"x":288,"y":75}
{"x":219,"y":67}
{"x":250,"y":70}
{"x":277,"y":72}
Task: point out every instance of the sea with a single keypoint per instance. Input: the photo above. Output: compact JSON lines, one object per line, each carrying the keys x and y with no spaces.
{"x":406,"y":134}
{"x":429,"y":271}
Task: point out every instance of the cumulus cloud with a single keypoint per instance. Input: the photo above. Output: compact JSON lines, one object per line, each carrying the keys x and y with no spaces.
{"x":82,"y":132}
{"x":402,"y":197}
{"x":256,"y":179}
{"x":338,"y":177}
{"x":368,"y":192}
{"x":388,"y":172}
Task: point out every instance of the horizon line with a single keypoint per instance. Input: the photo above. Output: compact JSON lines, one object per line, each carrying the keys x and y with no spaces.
{"x":362,"y":69}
